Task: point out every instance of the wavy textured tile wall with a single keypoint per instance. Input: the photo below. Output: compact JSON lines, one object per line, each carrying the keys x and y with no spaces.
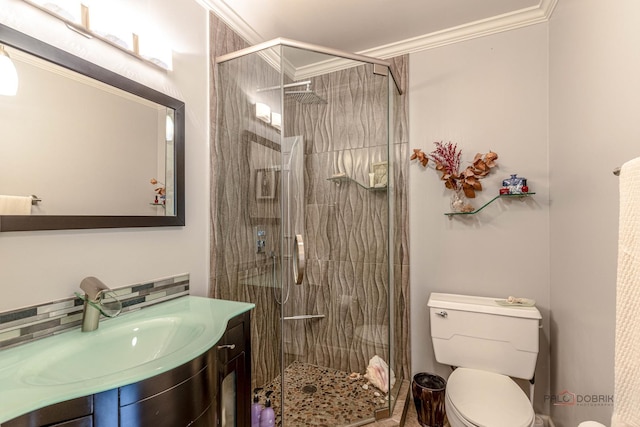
{"x":346,"y":236}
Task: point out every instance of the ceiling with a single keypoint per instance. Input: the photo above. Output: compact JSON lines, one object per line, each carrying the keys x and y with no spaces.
{"x":380,"y":28}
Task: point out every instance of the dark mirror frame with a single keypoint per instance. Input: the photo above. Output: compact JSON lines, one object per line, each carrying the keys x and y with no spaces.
{"x":18,"y":40}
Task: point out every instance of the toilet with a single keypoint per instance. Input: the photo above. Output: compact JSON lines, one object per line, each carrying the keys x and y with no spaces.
{"x":487,"y":343}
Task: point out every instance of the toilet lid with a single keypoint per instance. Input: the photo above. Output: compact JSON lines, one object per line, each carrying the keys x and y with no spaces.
{"x":486,"y":399}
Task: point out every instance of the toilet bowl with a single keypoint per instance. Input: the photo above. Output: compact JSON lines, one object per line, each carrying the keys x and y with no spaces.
{"x":480,"y":398}
{"x":489,"y":343}
{"x":590,"y":424}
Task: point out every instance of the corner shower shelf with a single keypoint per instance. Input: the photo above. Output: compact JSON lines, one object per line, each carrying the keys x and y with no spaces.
{"x":343,"y":178}
{"x":499,"y":196}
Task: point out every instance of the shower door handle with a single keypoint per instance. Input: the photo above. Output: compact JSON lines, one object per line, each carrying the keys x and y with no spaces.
{"x":298,"y":259}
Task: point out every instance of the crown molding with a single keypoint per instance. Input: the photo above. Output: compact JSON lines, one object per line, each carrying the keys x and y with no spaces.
{"x":244,"y":30}
{"x":497,"y":24}
{"x":233,"y":20}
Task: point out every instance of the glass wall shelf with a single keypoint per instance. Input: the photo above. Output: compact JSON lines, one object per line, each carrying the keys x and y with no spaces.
{"x":343,"y":178}
{"x":499,"y":196}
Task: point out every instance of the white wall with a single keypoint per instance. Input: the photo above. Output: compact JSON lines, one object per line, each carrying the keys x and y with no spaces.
{"x":484,"y":94}
{"x":594,"y":127}
{"x":43,"y":266}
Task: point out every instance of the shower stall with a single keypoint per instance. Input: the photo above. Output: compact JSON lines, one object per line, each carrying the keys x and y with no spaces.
{"x":303,"y":224}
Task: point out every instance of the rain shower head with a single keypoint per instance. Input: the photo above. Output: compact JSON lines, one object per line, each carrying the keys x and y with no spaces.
{"x":306,"y":96}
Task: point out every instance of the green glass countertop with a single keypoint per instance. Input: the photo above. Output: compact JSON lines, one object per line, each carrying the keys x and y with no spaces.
{"x":124,"y":350}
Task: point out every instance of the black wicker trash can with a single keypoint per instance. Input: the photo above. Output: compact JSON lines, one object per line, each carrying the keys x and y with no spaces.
{"x":428,"y":396}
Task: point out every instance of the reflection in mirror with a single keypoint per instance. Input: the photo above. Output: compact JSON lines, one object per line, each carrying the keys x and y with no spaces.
{"x":276,"y":170}
{"x":264,"y":177}
{"x":98,"y":150}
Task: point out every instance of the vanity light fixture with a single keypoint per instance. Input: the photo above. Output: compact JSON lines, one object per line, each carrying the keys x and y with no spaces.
{"x":169,"y":128}
{"x":106,"y":28}
{"x":263,"y":112}
{"x":276,"y":120}
{"x":8,"y":74}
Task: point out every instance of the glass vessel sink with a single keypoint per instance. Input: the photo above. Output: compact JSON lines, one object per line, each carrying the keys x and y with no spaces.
{"x":111,"y":350}
{"x":123,"y":350}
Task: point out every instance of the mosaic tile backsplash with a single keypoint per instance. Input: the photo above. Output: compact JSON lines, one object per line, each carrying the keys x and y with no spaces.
{"x":39,"y":321}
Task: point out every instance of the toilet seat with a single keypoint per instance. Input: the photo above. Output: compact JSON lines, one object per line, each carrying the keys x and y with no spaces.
{"x":485,"y":399}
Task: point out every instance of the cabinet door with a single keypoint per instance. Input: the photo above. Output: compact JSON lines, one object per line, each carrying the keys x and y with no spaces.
{"x":233,"y":401}
{"x":209,"y":418}
{"x":80,"y":422}
{"x":234,"y":373}
{"x":60,"y":412}
{"x":145,"y":389}
{"x":179,"y":406}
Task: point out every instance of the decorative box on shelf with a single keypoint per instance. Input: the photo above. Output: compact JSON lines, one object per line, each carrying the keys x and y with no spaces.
{"x":514,"y":185}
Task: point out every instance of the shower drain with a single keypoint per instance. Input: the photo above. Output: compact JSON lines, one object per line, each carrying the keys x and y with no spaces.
{"x":309,"y":389}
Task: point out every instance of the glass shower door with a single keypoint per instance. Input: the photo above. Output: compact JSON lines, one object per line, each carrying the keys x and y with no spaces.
{"x":301,"y":228}
{"x":335,"y":195}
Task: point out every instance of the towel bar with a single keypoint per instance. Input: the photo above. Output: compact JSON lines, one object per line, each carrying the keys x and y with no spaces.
{"x":304,"y":317}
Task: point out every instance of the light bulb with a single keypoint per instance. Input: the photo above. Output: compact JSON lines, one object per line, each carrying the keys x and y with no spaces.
{"x":263,"y":112}
{"x":276,"y":120}
{"x":169,"y":128}
{"x":8,"y":74}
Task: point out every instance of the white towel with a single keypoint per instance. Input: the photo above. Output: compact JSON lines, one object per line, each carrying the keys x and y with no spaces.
{"x":626,"y":411}
{"x":15,"y":205}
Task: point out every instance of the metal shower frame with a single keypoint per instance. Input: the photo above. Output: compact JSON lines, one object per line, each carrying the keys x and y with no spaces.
{"x":282,"y":41}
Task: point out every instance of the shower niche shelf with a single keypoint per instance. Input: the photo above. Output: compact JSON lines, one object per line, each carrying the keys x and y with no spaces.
{"x":343,"y":178}
{"x":499,"y":196}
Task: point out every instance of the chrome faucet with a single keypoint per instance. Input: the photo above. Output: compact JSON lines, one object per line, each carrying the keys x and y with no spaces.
{"x":94,"y":306}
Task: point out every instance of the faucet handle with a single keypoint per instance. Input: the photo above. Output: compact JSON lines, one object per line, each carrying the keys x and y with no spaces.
{"x":98,"y":295}
{"x":110,"y":305}
{"x":110,"y":308}
{"x":93,"y":287}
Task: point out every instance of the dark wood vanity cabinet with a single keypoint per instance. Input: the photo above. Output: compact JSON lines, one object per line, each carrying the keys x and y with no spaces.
{"x":72,"y":413}
{"x":193,"y":394}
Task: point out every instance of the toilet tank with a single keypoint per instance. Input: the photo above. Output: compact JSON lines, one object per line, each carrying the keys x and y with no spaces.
{"x":477,"y":332}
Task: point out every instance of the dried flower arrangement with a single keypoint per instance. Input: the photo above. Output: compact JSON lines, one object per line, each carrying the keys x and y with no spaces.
{"x":161,"y":192}
{"x":447,"y":157}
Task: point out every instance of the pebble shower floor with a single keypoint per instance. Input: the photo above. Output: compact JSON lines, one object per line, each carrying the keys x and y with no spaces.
{"x":324,"y":397}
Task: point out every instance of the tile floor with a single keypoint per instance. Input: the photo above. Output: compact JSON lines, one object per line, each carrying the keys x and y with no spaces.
{"x":411,"y":419}
{"x":325,"y":397}
{"x":319,"y":396}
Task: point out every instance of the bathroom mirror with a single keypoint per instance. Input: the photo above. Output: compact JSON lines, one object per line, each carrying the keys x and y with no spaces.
{"x":87,"y":142}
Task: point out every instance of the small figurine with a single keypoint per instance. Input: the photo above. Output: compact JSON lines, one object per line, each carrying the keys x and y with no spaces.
{"x":514,"y":185}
